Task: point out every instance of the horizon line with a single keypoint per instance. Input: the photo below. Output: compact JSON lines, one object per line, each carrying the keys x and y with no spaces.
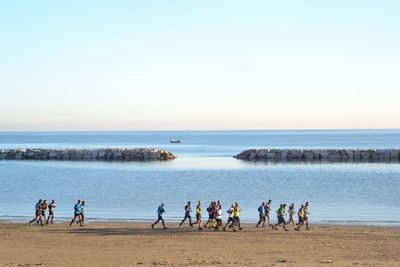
{"x":202,"y":130}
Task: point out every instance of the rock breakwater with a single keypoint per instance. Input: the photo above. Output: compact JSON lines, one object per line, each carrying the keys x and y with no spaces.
{"x":108,"y":154}
{"x":367,"y":155}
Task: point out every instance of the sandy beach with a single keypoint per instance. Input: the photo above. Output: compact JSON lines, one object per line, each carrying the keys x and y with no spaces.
{"x":135,"y":244}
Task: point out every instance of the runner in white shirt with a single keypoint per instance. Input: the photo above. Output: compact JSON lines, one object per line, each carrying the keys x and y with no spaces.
{"x":219,"y":217}
{"x":230,"y":218}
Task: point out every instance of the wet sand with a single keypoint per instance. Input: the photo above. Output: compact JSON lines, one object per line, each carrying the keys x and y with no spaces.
{"x":135,"y":244}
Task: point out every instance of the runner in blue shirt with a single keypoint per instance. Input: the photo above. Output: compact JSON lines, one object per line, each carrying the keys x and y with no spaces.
{"x":77,"y":209}
{"x":261,"y":214}
{"x":160,"y":212}
{"x":38,"y":212}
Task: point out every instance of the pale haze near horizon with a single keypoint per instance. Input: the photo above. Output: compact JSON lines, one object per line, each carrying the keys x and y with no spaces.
{"x":163,"y":65}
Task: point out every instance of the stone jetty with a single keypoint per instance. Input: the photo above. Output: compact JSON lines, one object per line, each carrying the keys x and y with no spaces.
{"x":355,"y":155}
{"x":107,"y":154}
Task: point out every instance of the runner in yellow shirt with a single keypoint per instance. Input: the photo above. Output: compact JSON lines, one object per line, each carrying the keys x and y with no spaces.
{"x":236,"y":217}
{"x":300,"y":213}
{"x":199,"y":211}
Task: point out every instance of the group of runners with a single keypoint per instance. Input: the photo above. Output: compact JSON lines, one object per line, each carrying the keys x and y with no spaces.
{"x":214,"y":221}
{"x":214,"y":211}
{"x":40,"y":212}
{"x":302,"y":213}
{"x":79,"y":213}
{"x":42,"y":206}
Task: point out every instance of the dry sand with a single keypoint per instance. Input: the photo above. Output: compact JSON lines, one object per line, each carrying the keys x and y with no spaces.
{"x":135,"y":244}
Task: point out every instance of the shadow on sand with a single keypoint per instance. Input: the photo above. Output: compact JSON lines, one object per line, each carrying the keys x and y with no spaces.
{"x":132,"y":231}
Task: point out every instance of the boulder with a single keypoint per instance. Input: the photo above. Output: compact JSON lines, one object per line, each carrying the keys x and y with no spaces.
{"x":252,"y":156}
{"x":65,"y":155}
{"x":394,"y":153}
{"x":270,"y":155}
{"x":324,"y":154}
{"x":86,"y":155}
{"x":101,"y":155}
{"x":117,"y":155}
{"x":308,"y":154}
{"x":52,"y":154}
{"x":261,"y":154}
{"x":19,"y":155}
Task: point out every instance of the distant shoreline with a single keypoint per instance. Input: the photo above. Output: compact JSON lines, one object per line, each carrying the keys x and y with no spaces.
{"x":203,"y":130}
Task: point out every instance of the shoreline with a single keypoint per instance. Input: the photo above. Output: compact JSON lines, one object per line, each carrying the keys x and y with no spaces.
{"x":136,"y":244}
{"x":176,"y":220}
{"x":175,"y":224}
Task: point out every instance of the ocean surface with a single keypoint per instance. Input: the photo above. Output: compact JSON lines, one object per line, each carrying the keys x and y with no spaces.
{"x":339,"y":193}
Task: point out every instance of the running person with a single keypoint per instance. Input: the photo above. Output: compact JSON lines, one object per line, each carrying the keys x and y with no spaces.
{"x":210,"y":210}
{"x":267,"y":210}
{"x":281,"y":212}
{"x":52,"y":206}
{"x":300,"y":213}
{"x":77,"y":209}
{"x":236,"y":217}
{"x":292,"y":212}
{"x":188,"y":210}
{"x":43,"y":208}
{"x":218,"y":216}
{"x":199,"y":212}
{"x":82,"y":213}
{"x":213,"y":223}
{"x":160,"y":212}
{"x":230,"y":221}
{"x":261,"y":214}
{"x":306,"y":214}
{"x":38,"y":212}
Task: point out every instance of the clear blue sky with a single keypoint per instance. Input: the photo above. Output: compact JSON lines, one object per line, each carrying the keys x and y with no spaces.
{"x":143,"y":65}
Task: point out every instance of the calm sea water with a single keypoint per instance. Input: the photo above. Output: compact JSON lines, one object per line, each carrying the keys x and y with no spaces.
{"x":344,"y":193}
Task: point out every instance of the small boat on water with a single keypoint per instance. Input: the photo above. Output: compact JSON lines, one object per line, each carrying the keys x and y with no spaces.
{"x":175,"y":141}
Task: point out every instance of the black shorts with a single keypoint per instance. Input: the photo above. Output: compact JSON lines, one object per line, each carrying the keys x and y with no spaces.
{"x":281,"y":219}
{"x":43,"y":213}
{"x":219,"y":221}
{"x":230,"y":219}
{"x":37,"y":213}
{"x":198,"y":217}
